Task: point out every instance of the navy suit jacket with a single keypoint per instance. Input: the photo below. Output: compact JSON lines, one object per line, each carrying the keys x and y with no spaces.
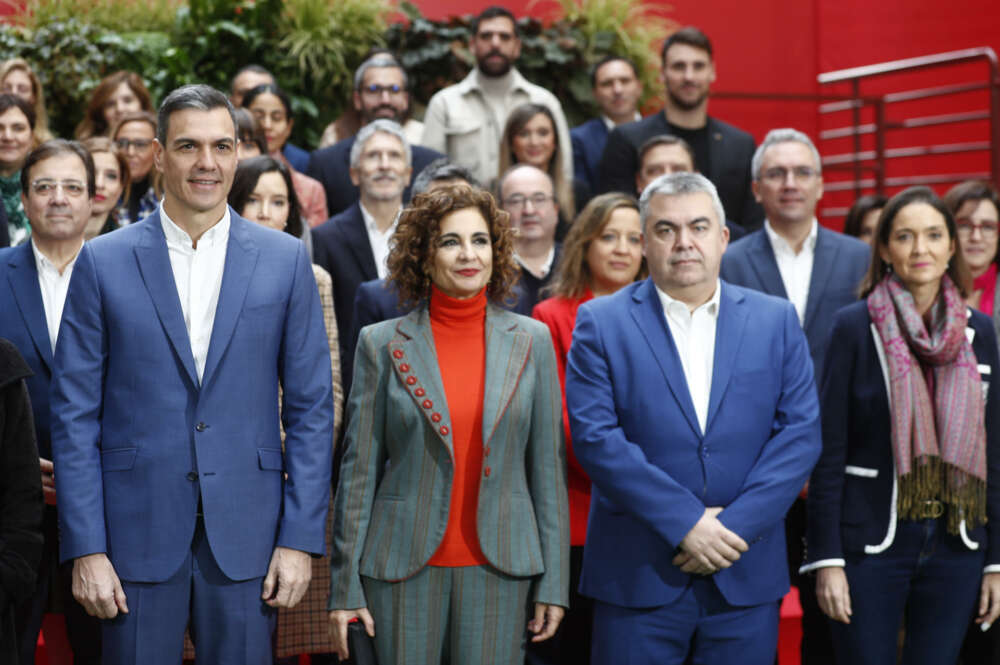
{"x":588,"y":145}
{"x":141,"y":443}
{"x":730,"y":152}
{"x":839,"y":264}
{"x":296,"y":156}
{"x":22,"y":321}
{"x":851,"y":499}
{"x":332,"y":165}
{"x":653,"y":470}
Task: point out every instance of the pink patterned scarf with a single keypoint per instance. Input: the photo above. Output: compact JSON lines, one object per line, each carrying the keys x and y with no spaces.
{"x":939,"y":442}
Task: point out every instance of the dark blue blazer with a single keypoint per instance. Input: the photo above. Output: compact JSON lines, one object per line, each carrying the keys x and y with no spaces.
{"x":839,"y":264}
{"x":341,"y":247}
{"x":850,"y":502}
{"x":296,"y":156}
{"x":142,"y":446}
{"x":653,"y":470}
{"x":332,"y":165}
{"x":588,"y":145}
{"x":22,"y":321}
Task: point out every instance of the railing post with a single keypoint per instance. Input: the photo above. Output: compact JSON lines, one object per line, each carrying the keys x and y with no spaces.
{"x":856,"y":118}
{"x":880,"y":125}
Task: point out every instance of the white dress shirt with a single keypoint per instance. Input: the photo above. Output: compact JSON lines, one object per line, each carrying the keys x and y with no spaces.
{"x":198,"y":276}
{"x":53,"y":287}
{"x":379,"y":240}
{"x":694,"y":337}
{"x":546,"y":267}
{"x":795,"y":269}
{"x":610,"y":124}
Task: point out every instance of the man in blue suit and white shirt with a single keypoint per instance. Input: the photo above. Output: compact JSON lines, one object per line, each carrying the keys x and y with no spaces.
{"x":57,"y":184}
{"x":819,"y":271}
{"x":176,"y":500}
{"x":693,"y":408}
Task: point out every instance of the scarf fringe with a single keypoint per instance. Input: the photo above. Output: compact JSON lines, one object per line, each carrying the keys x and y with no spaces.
{"x":932,"y":479}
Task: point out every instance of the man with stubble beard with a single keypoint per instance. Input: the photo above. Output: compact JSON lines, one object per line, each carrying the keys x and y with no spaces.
{"x":722,"y":152}
{"x":465,"y":120}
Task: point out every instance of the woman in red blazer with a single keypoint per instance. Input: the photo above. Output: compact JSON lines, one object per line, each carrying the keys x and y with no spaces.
{"x":601,"y":253}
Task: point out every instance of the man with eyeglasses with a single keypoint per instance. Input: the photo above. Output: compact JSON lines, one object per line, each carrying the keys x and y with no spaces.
{"x":465,"y":120}
{"x":722,"y":151}
{"x":818,"y":270}
{"x":57,"y":188}
{"x":526,"y":193}
{"x":380,"y":92}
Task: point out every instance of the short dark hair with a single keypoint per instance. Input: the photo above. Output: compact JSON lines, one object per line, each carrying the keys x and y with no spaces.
{"x":861,"y":207}
{"x":200,"y":97}
{"x":494,"y":11}
{"x":247,"y":130}
{"x":438,"y":170}
{"x":689,"y":36}
{"x":272,"y":89}
{"x":665,"y":139}
{"x":971,"y":190}
{"x":8,"y":102}
{"x":54,"y":148}
{"x":957,"y":268}
{"x":256,"y":69}
{"x":605,"y":60}
{"x":248,"y":172}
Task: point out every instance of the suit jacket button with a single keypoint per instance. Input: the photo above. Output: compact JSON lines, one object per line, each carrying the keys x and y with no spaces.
{"x":192,"y":476}
{"x":444,"y":430}
{"x":404,"y":368}
{"x":486,"y":472}
{"x":427,"y":404}
{"x":436,"y":417}
{"x":419,"y":392}
{"x":201,"y":427}
{"x":411,"y":380}
{"x":398,"y":353}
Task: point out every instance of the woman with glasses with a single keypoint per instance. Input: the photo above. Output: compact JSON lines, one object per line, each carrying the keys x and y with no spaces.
{"x":117,"y":94}
{"x":272,"y":111}
{"x":133,"y":136}
{"x":530,"y":138}
{"x":977,"y":213}
{"x":904,"y":502}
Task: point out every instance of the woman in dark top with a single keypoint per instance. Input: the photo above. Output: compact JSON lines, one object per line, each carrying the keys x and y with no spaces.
{"x":133,"y":136}
{"x":451,"y":522}
{"x":904,"y":502}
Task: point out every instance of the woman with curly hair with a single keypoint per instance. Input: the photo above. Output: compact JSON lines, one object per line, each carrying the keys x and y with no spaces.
{"x":451,"y":522}
{"x":116,"y":95}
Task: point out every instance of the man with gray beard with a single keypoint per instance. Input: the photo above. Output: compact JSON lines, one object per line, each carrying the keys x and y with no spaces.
{"x":353,"y":245}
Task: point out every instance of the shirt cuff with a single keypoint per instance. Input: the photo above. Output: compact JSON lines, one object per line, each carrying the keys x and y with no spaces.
{"x":994,"y":568}
{"x":829,"y":563}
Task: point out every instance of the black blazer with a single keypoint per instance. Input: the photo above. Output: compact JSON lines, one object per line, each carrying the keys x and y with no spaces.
{"x":730,"y":152}
{"x":4,"y":231}
{"x":851,"y":489}
{"x":332,"y":165}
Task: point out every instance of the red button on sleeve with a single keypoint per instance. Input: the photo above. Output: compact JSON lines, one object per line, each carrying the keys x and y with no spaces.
{"x":404,"y":368}
{"x":411,"y":379}
{"x":398,"y":353}
{"x":444,"y":430}
{"x":436,"y":417}
{"x":428,"y":404}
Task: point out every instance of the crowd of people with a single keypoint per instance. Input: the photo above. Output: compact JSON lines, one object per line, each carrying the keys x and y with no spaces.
{"x":484,"y":388}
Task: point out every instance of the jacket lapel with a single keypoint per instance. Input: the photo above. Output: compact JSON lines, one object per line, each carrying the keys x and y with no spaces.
{"x":764,"y":264}
{"x":824,"y":257}
{"x":154,"y":265}
{"x":729,"y":330}
{"x":647,"y":311}
{"x":241,"y":259}
{"x":414,"y":361}
{"x":357,"y":241}
{"x":507,"y":350}
{"x":717,"y":157}
{"x":24,"y":284}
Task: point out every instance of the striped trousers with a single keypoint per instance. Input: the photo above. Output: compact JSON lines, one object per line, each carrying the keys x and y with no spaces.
{"x":472,"y":615}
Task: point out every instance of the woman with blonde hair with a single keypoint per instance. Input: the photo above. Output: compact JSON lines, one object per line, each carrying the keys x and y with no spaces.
{"x":18,"y":78}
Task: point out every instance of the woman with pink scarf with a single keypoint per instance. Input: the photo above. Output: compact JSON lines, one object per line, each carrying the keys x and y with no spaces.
{"x":903,"y":502}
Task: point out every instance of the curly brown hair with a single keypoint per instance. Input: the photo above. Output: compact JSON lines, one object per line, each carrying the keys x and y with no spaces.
{"x":412,"y":246}
{"x":572,"y":275}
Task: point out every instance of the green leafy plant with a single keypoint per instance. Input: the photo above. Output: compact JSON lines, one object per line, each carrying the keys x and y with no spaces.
{"x":118,"y":15}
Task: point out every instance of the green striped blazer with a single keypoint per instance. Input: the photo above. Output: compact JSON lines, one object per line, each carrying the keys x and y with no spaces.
{"x":393,"y":499}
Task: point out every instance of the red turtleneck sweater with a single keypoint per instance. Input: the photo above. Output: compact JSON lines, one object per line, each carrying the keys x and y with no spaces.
{"x":459,"y":328}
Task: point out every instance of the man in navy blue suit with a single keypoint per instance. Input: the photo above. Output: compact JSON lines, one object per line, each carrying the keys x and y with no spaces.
{"x":694,"y":411}
{"x":819,"y":270}
{"x":616,"y":89}
{"x":57,"y":184}
{"x":380,"y":92}
{"x":179,"y":503}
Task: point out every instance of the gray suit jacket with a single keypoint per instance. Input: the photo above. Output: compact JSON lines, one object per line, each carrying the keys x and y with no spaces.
{"x":395,"y":486}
